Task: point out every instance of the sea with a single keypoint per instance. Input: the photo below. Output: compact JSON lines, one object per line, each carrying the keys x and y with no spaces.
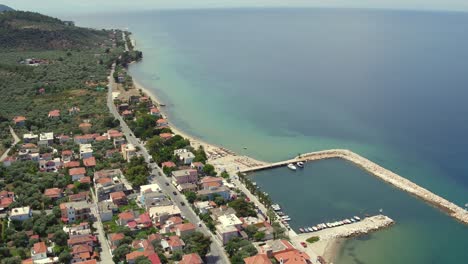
{"x":270,"y":83}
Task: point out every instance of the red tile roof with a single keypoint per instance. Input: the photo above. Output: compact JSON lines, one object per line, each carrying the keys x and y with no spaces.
{"x":53,"y":192}
{"x":72,"y":164}
{"x":117,"y":195}
{"x":292,"y":257}
{"x":18,"y":119}
{"x":186,"y":227}
{"x":165,"y":135}
{"x":193,"y":258}
{"x":85,"y":125}
{"x":136,"y":254}
{"x":101,"y":138}
{"x":86,"y":179}
{"x":40,"y":248}
{"x":67,"y":152}
{"x":93,"y":261}
{"x":89,"y":162}
{"x":127,"y":216}
{"x":258,"y":259}
{"x":117,"y":236}
{"x":175,"y":241}
{"x":161,"y":121}
{"x":168,"y":164}
{"x":77,"y":171}
{"x":54,"y":113}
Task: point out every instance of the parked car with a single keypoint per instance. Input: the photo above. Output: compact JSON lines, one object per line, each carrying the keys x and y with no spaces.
{"x":174,"y":193}
{"x":182,"y":203}
{"x":304,"y":244}
{"x":167,"y":184}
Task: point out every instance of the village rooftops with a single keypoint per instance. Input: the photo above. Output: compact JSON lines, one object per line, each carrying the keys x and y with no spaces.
{"x":192,"y":258}
{"x":258,"y":259}
{"x":229,"y":220}
{"x":46,"y":136}
{"x":77,"y":171}
{"x":39,"y":248}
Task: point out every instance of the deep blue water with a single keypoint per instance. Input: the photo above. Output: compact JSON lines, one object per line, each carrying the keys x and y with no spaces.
{"x":390,"y":85}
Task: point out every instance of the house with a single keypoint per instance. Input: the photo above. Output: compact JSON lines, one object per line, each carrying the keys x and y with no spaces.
{"x":20,"y":213}
{"x":115,"y":239}
{"x":6,"y":198}
{"x":86,"y":151}
{"x":89,"y":162}
{"x":108,"y":181}
{"x":128,"y":151}
{"x":106,"y":210}
{"x":170,"y":224}
{"x":54,"y":114}
{"x":82,"y":240}
{"x":153,"y":199}
{"x":30,"y":138}
{"x":258,"y":259}
{"x":67,"y":155}
{"x":228,"y":227}
{"x":118,"y":198}
{"x":77,"y":173}
{"x":186,"y":158}
{"x":101,"y":138}
{"x":113,"y":134}
{"x":72,"y":164}
{"x":161,"y":213}
{"x":53,"y":193}
{"x":203,"y":207}
{"x":82,"y":253}
{"x":187,"y":187}
{"x":39,"y":251}
{"x":78,"y":229}
{"x":19,"y":120}
{"x":197,"y":166}
{"x":74,"y":110}
{"x":149,"y":254}
{"x":8,"y":161}
{"x":168,"y":164}
{"x":220,"y":211}
{"x":63,"y":139}
{"x":126,"y":217}
{"x":208,"y":182}
{"x":185,"y":176}
{"x":166,"y":136}
{"x":293,"y":257}
{"x":84,"y":139}
{"x":154,"y":111}
{"x":211,"y":192}
{"x":185,"y":229}
{"x":172,"y":243}
{"x":75,"y":211}
{"x":162,"y":122}
{"x":127,"y":114}
{"x":50,"y":165}
{"x":81,"y":196}
{"x":142,"y":245}
{"x":46,"y":139}
{"x":85,"y":127}
{"x":123,"y":107}
{"x":192,"y":258}
{"x":134,"y":99}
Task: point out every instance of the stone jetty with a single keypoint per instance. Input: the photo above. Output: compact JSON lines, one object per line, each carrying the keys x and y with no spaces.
{"x":386,"y":175}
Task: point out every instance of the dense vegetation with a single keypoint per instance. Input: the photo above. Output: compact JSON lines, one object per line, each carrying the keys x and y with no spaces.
{"x":32,"y":31}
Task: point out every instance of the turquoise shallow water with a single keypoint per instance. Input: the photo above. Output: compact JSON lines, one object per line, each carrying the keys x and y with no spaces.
{"x":390,"y":85}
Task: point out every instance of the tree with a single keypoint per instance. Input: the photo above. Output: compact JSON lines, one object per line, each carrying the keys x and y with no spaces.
{"x":243,"y":208}
{"x":251,"y":230}
{"x":209,"y":169}
{"x":191,"y":196}
{"x":60,"y":238}
{"x":259,"y":236}
{"x":225,"y":175}
{"x":278,"y":231}
{"x":177,"y":255}
{"x":142,"y":260}
{"x":198,"y":243}
{"x":120,"y":253}
{"x":65,"y":257}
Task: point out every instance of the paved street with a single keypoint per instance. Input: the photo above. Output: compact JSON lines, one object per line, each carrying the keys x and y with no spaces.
{"x":106,"y":256}
{"x":217,"y":254}
{"x":16,"y":139}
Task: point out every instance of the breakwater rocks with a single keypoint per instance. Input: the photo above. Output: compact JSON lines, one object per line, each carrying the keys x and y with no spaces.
{"x":394,"y":179}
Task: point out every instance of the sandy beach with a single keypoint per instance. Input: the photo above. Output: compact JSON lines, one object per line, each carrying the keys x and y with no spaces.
{"x":221,"y":158}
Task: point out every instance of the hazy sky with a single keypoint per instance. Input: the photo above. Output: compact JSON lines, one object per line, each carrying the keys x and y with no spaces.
{"x":78,"y":6}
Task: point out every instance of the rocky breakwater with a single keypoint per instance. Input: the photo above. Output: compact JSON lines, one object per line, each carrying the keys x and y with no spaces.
{"x":388,"y":176}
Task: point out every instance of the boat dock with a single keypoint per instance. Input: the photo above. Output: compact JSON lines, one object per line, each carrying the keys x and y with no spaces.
{"x":365,"y":226}
{"x":378,"y":171}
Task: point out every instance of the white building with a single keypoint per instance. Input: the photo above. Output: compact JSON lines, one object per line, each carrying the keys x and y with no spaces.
{"x":21,"y":213}
{"x":128,"y":151}
{"x":30,"y":138}
{"x":203,"y":207}
{"x":228,"y":227}
{"x":46,"y":139}
{"x":86,"y":151}
{"x":186,"y":157}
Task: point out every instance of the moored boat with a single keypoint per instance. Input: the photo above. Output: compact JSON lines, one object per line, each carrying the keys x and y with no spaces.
{"x":300,"y":164}
{"x":292,"y":167}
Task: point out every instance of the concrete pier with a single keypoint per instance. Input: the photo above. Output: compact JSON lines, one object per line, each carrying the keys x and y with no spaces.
{"x":388,"y":176}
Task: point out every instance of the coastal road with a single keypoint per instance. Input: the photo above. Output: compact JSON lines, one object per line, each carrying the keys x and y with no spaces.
{"x":217,"y":253}
{"x":16,"y":139}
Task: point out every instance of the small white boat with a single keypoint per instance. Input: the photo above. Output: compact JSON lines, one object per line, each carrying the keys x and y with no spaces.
{"x":292,"y":167}
{"x":301,"y":229}
{"x":315,"y":228}
{"x":357,"y":218}
{"x":300,"y":164}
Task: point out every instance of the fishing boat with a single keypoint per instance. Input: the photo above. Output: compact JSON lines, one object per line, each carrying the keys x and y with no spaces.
{"x":300,"y":164}
{"x":292,"y":167}
{"x":301,"y":230}
{"x":315,"y":228}
{"x":310,"y":229}
{"x":357,"y":218}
